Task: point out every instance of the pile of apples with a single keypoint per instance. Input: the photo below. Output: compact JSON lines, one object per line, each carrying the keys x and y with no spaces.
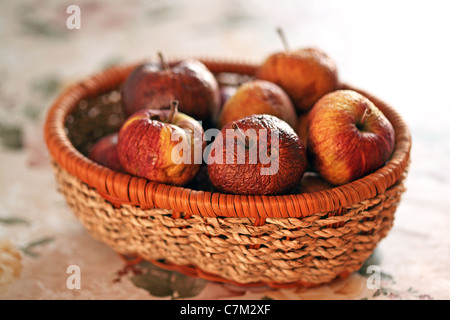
{"x":326,"y":136}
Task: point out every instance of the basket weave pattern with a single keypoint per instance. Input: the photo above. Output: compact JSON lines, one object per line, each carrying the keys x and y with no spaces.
{"x":310,"y":250}
{"x":305,"y":239}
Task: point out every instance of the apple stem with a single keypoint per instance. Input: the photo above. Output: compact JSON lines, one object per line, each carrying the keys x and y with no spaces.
{"x":366,"y":115}
{"x":163,"y":61}
{"x":173,"y":110}
{"x":283,"y":39}
{"x":241,"y":134}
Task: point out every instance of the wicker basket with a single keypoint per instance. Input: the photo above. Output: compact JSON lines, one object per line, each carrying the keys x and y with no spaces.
{"x":290,"y":240}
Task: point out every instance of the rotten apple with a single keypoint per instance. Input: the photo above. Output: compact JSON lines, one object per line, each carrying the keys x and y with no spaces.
{"x":152,"y":85}
{"x":306,"y":74}
{"x":258,"y":97}
{"x":348,"y":137}
{"x":256,"y":155}
{"x":104,"y":152}
{"x":162,"y":145}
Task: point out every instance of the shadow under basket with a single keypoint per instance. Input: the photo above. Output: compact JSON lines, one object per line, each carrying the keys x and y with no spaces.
{"x":302,"y":239}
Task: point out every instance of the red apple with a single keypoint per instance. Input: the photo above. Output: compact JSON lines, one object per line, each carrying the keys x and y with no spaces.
{"x":104,"y":152}
{"x":312,"y":182}
{"x":153,"y":85}
{"x":161,"y":145}
{"x":306,"y":74}
{"x":348,"y":137}
{"x":258,"y":97}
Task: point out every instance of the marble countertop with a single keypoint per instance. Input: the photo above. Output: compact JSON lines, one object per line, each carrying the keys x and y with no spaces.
{"x":397,"y":50}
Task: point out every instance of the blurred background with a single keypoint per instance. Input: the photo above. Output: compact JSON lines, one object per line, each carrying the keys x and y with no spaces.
{"x":397,"y":50}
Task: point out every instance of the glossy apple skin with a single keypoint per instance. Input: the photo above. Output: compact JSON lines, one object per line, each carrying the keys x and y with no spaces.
{"x":246,"y":178}
{"x":104,"y":152}
{"x":188,"y":81}
{"x":145,"y":146}
{"x":341,"y":148}
{"x":258,"y":97}
{"x":305,"y":74}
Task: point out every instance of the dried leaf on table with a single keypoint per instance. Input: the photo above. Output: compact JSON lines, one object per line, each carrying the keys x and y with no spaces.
{"x":13,"y":221}
{"x":28,"y":248}
{"x":162,"y":283}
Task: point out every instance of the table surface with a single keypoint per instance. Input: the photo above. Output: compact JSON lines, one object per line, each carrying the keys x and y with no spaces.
{"x":397,"y":50}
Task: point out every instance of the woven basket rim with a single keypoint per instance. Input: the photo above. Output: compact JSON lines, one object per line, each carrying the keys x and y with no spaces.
{"x":121,"y":188}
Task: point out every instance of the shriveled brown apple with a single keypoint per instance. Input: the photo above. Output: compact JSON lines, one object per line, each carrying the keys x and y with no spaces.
{"x":256,"y":155}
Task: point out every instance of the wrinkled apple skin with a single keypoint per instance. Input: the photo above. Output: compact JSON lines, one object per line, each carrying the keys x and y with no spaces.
{"x":104,"y":152}
{"x":258,"y":97}
{"x":341,"y":148}
{"x":188,"y":81}
{"x":246,"y":178}
{"x":305,"y":74}
{"x":145,"y":146}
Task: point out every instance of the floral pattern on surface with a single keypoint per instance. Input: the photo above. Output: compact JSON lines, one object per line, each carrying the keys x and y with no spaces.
{"x":10,"y":265}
